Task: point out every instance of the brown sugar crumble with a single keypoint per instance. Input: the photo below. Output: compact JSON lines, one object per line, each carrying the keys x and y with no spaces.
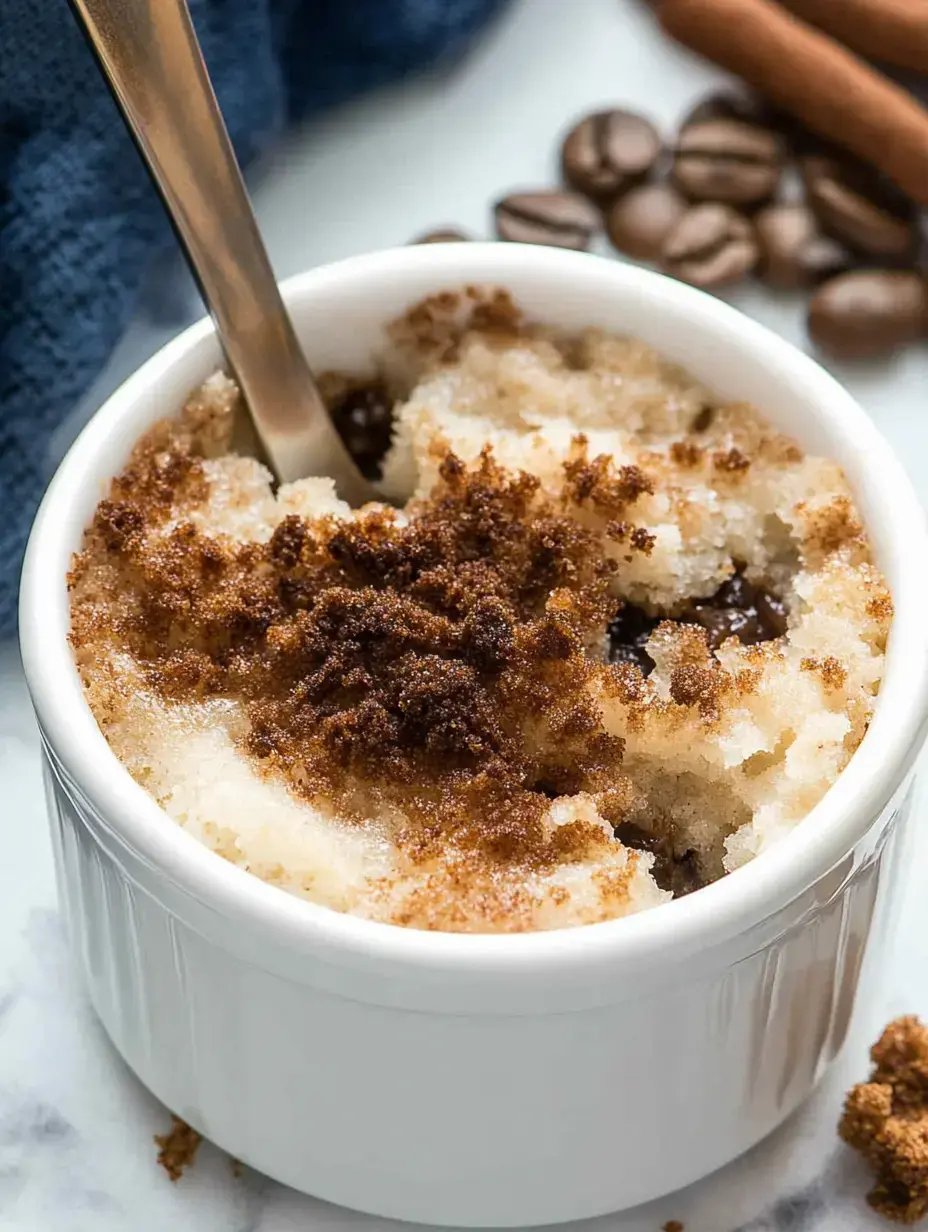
{"x":177,"y":1149}
{"x":389,"y":661}
{"x":581,"y":670}
{"x":886,"y":1120}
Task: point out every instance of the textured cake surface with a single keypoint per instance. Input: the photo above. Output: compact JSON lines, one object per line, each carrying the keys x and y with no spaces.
{"x":617,"y":639}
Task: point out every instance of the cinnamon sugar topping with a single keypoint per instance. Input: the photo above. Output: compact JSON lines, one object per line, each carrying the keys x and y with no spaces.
{"x":389,"y":660}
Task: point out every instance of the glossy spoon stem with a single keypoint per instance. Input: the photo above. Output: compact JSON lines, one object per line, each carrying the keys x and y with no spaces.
{"x":150,"y":56}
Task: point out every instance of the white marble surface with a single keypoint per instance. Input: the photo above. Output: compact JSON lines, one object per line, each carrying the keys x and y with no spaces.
{"x":76,"y":1152}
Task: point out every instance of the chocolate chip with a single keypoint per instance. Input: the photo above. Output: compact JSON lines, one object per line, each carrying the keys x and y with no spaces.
{"x":723,"y":623}
{"x":628,"y":636}
{"x":711,"y":245}
{"x":728,"y":161}
{"x":868,"y":313}
{"x":738,"y":609}
{"x":684,"y":874}
{"x":608,"y":152}
{"x":704,"y":418}
{"x":855,"y":205}
{"x":364,"y":419}
{"x":679,"y":873}
{"x":561,"y":219}
{"x":793,"y":251}
{"x":441,"y":235}
{"x":640,"y":221}
{"x":737,"y":591}
{"x":772,"y":614}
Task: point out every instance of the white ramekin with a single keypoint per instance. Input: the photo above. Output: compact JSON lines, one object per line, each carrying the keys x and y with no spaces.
{"x":479,"y":1080}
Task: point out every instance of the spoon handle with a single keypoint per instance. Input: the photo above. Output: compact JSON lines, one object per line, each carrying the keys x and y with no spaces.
{"x":150,"y":56}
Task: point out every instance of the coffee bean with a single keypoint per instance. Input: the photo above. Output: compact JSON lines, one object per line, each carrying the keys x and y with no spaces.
{"x":640,"y":221}
{"x":608,"y":152}
{"x":730,"y":105}
{"x":782,"y":232}
{"x":728,"y":161}
{"x":868,"y":313}
{"x":856,"y":206}
{"x":710,"y":246}
{"x":793,"y":251}
{"x":736,"y":104}
{"x":561,"y":219}
{"x":823,"y":257}
{"x":441,"y":235}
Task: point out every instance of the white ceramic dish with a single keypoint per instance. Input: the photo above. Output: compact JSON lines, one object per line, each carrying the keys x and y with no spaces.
{"x":479,"y":1080}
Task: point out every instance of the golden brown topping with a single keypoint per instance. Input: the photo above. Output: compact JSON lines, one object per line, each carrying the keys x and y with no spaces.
{"x":696,"y":686}
{"x":779,"y":451}
{"x":433,"y":328}
{"x":832,"y":527}
{"x":886,"y":1120}
{"x":686,"y":453}
{"x":732,"y":461}
{"x":638,"y":538}
{"x":642,"y":540}
{"x":832,"y":673}
{"x":608,"y":488}
{"x":880,"y":607}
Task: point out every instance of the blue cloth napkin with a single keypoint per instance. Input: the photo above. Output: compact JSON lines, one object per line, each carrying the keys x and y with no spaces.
{"x":80,"y":224}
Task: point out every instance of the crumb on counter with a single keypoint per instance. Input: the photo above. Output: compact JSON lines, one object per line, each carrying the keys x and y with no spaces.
{"x":886,"y":1120}
{"x":177,"y":1149}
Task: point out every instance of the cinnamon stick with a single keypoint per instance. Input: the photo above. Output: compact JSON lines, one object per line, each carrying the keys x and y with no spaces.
{"x":810,"y":75}
{"x":892,"y":30}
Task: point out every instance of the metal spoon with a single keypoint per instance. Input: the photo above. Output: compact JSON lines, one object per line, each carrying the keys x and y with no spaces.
{"x":150,"y":56}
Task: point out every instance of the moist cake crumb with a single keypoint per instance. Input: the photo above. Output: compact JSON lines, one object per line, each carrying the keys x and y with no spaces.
{"x":611,"y":646}
{"x":886,"y":1120}
{"x":177,"y":1148}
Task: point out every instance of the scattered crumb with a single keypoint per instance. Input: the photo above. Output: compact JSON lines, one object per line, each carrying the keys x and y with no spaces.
{"x":673,"y":1225}
{"x":238,"y":1168}
{"x":177,"y":1149}
{"x":886,"y":1120}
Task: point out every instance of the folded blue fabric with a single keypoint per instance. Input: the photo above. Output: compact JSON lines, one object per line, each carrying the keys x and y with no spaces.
{"x":79,"y":222}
